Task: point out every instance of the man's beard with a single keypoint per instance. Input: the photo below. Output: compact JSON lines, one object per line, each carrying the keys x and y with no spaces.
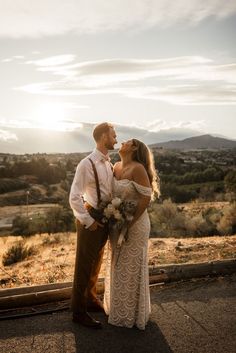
{"x":109,"y":146}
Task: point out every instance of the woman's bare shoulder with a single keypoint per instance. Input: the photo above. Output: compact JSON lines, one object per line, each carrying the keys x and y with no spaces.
{"x":117,"y":165}
{"x":140,"y":174}
{"x":116,"y":168}
{"x":139,"y":168}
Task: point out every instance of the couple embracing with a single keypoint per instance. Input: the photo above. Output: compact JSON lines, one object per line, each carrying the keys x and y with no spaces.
{"x":97,"y":182}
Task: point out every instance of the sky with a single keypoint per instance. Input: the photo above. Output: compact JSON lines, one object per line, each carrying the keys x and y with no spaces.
{"x":153,"y":66}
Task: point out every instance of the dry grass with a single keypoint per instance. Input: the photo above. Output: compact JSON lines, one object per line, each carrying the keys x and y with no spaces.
{"x":191,"y":250}
{"x":54,"y":261}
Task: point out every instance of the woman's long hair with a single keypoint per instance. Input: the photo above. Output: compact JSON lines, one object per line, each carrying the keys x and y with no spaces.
{"x":144,"y":156}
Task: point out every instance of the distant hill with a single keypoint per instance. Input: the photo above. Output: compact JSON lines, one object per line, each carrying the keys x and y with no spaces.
{"x":29,"y":140}
{"x":26,"y":140}
{"x":197,"y":142}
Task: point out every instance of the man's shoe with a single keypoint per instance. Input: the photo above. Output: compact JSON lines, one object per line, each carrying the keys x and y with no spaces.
{"x":86,"y":320}
{"x":95,"y":307}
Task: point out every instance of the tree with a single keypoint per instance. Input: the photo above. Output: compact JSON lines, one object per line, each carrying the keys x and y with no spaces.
{"x":230,"y":181}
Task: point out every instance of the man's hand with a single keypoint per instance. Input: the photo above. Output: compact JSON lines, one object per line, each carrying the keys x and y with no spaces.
{"x":95,"y":226}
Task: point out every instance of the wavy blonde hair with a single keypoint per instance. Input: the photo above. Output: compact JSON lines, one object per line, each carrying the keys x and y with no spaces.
{"x":144,"y":156}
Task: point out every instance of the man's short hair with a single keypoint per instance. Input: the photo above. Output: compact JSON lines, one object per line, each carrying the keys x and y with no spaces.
{"x":101,"y":129}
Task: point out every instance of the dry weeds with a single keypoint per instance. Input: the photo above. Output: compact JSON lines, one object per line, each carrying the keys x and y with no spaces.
{"x":56,"y":255}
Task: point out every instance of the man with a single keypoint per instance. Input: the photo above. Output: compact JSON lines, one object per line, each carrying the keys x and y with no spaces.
{"x":92,"y":184}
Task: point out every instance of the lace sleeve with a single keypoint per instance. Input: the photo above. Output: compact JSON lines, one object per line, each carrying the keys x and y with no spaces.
{"x":144,"y":190}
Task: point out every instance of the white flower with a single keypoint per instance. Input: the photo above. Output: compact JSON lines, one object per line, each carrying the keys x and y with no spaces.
{"x":129,"y":218}
{"x":106,"y":213}
{"x":110,"y":207}
{"x":116,"y":202}
{"x":117,"y":215}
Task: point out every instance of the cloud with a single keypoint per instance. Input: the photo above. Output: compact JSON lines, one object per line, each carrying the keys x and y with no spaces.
{"x":27,"y":18}
{"x":16,"y":123}
{"x":53,"y":60}
{"x":7,"y":136}
{"x":189,"y":80}
{"x":158,"y":125}
{"x":13,"y":58}
{"x":72,"y":105}
{"x":45,"y":119}
{"x":7,"y":60}
{"x":198,"y":94}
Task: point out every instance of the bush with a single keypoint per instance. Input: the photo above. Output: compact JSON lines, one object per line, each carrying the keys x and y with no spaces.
{"x":179,"y":194}
{"x":227,"y":223}
{"x":166,"y":219}
{"x":17,"y":253}
{"x":26,"y":226}
{"x":8,"y":185}
{"x":49,"y":191}
{"x":55,"y":239}
{"x":21,"y":226}
{"x":230,"y":181}
{"x":199,"y":226}
{"x":64,"y":184}
{"x":56,"y":220}
{"x":59,"y":220}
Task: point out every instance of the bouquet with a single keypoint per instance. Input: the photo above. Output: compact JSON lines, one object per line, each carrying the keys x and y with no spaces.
{"x":118,"y":214}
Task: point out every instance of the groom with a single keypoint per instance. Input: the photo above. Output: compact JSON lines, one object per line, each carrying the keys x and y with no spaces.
{"x":92,"y":184}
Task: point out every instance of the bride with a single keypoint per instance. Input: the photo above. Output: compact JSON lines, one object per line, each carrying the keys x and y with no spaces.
{"x":127,"y":297}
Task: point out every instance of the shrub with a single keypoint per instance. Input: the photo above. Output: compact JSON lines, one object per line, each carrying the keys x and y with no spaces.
{"x":166,"y":219}
{"x":26,"y":226}
{"x":56,"y":220}
{"x":198,"y":226}
{"x":227,"y":223}
{"x":54,"y":239}
{"x":8,"y":185}
{"x":64,"y":184}
{"x":59,"y":219}
{"x":20,"y":225}
{"x":207,"y":193}
{"x":17,"y":253}
{"x":178,"y":194}
{"x":230,"y":181}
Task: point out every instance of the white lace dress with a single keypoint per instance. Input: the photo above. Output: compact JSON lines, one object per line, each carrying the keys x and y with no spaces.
{"x":127,"y":297}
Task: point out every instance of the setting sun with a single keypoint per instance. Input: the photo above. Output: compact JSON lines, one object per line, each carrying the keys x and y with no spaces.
{"x":51,"y":116}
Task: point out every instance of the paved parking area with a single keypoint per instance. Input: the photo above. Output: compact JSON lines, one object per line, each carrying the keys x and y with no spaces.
{"x":187,"y":317}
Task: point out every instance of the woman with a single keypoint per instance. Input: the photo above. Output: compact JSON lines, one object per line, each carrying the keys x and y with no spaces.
{"x":127,"y":297}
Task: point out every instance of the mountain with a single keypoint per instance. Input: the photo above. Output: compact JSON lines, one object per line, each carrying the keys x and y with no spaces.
{"x":198,"y":142}
{"x":32,"y":140}
{"x":29,"y":140}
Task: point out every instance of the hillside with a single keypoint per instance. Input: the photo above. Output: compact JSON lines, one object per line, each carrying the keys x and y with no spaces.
{"x":55,"y":257}
{"x":198,"y":142}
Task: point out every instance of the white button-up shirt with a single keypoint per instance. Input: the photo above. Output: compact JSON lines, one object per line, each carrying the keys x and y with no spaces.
{"x":84,"y":188}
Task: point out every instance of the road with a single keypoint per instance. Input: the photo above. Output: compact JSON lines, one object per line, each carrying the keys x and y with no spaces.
{"x":187,"y":317}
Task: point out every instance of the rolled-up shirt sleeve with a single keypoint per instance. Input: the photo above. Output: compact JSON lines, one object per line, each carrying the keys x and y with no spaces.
{"x":76,"y":195}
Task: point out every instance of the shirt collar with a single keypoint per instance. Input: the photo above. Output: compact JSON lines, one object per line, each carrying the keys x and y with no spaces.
{"x":100,"y":156}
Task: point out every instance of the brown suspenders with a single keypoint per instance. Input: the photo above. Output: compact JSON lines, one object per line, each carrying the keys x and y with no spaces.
{"x":96,"y":181}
